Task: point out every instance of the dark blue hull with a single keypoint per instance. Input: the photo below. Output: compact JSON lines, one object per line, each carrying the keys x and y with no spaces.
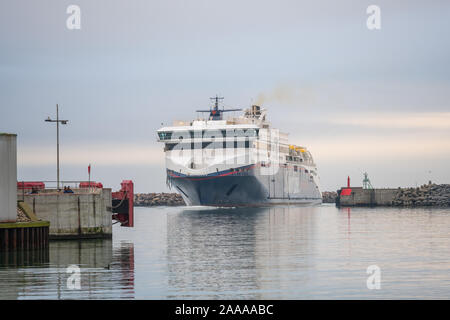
{"x":234,"y":187}
{"x":227,"y":188}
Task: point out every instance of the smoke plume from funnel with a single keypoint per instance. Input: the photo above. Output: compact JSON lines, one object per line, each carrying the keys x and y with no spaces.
{"x":286,"y":95}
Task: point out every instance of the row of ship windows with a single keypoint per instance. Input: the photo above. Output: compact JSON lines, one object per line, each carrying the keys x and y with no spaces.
{"x":207,"y":145}
{"x":296,"y":159}
{"x":296,"y":169}
{"x":168,"y":135}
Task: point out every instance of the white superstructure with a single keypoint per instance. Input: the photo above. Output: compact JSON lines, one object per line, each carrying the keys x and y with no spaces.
{"x":238,"y":161}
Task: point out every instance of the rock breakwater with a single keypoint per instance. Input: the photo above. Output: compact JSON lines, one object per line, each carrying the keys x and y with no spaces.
{"x":433,"y":195}
{"x":329,"y":197}
{"x":158,"y":199}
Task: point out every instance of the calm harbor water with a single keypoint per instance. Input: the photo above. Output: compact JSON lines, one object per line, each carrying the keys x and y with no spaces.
{"x":317,"y":252}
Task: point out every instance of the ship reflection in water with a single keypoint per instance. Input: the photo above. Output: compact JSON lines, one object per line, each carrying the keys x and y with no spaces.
{"x":43,"y":274}
{"x":221,"y":252}
{"x":318,"y":252}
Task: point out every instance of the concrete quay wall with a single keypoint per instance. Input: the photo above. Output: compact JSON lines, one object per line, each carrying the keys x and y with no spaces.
{"x":368,"y":197}
{"x":8,"y":177}
{"x":74,"y":215}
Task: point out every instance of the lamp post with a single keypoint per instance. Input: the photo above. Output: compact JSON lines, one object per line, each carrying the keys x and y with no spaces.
{"x":57,"y":141}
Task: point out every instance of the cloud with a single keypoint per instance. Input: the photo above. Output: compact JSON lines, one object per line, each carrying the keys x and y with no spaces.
{"x":373,"y":137}
{"x":431,"y":120}
{"x":83,"y":154}
{"x":381,"y":149}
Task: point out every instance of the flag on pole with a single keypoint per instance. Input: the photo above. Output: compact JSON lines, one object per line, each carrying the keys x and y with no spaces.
{"x":89,"y":173}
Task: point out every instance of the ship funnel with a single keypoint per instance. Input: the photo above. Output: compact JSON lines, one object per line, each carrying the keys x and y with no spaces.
{"x":256,"y":110}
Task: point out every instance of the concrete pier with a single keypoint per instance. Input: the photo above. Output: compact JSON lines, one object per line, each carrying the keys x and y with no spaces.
{"x":8,"y":177}
{"x":357,"y":196}
{"x":51,"y":214}
{"x":86,"y":213}
{"x":32,"y":234}
{"x":24,"y":235}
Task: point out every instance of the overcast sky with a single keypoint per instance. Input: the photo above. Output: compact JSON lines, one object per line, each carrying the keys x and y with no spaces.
{"x":360,"y":100}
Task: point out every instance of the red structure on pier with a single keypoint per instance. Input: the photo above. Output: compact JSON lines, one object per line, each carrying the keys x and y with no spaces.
{"x":30,"y":185}
{"x":347,"y":191}
{"x":91,"y":184}
{"x":122,"y":204}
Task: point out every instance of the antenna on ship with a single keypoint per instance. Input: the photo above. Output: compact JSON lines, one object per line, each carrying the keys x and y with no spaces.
{"x":216,"y":103}
{"x":216,"y":113}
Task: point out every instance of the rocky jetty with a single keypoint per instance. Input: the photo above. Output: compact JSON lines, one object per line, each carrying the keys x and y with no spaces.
{"x":329,"y":196}
{"x":21,"y":216}
{"x":432,"y":195}
{"x":158,"y":199}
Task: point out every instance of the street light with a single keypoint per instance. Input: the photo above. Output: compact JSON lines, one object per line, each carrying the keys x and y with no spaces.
{"x":57,"y":141}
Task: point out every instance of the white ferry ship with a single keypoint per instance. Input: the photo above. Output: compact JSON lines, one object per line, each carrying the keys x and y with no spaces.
{"x":239,"y":161}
